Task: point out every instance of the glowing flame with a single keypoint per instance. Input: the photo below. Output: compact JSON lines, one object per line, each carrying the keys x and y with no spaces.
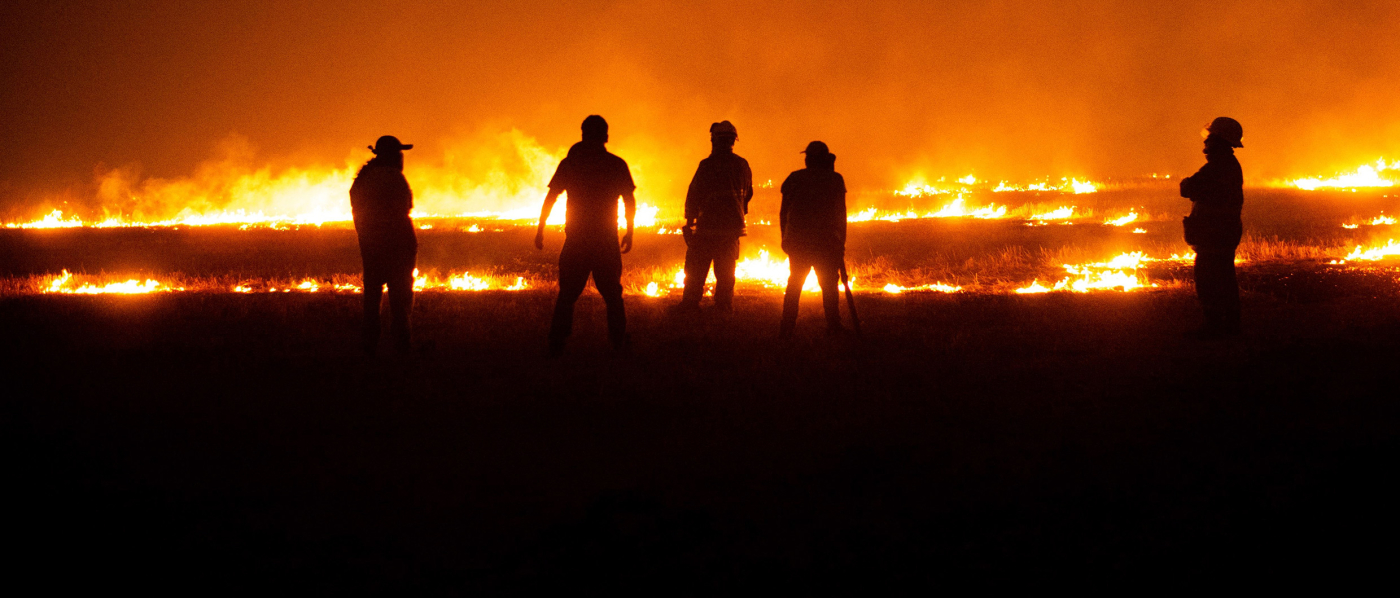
{"x":1365,"y":175}
{"x":510,"y":185}
{"x":1118,"y":273}
{"x":467,"y":282}
{"x":895,"y":289}
{"x":921,"y":189}
{"x":770,"y":273}
{"x":1371,"y":254}
{"x":645,"y":217}
{"x":1082,"y":186}
{"x":1067,"y":185}
{"x":956,"y":209}
{"x":62,"y":284}
{"x":1034,"y":287}
{"x":1063,"y":213}
{"x":53,"y":219}
{"x":1120,"y":221}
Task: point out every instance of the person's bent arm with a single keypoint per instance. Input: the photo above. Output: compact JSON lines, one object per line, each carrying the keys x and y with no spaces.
{"x":549,"y":200}
{"x":629,"y":210}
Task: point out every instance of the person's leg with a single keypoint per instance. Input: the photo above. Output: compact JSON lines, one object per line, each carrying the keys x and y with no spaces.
{"x":373,"y":280}
{"x":828,"y":276}
{"x":1213,"y":272}
{"x":607,"y":278}
{"x":726,"y":257}
{"x":1230,"y":293}
{"x":798,"y":267}
{"x":401,"y":302}
{"x":573,"y":276}
{"x":697,"y":269}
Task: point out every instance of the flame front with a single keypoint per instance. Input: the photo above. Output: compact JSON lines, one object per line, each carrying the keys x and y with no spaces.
{"x":63,"y":284}
{"x":1119,"y":273}
{"x":1128,"y":218}
{"x":230,"y":191}
{"x":1366,"y":175}
{"x":1371,"y":254}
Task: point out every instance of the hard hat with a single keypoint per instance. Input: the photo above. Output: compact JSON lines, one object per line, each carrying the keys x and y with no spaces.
{"x":1227,"y":129}
{"x":816,"y":148}
{"x":724,"y":127}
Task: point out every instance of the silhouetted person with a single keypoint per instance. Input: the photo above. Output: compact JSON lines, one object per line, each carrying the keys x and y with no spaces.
{"x":1214,"y":229}
{"x":813,"y":222}
{"x":380,"y":201}
{"x":715,"y":207}
{"x":594,"y":179}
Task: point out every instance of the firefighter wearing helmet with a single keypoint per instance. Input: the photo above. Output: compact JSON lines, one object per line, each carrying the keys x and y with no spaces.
{"x":1213,"y":229}
{"x":715,"y":206}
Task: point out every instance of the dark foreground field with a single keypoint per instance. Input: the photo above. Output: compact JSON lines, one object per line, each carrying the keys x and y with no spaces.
{"x":208,"y":442}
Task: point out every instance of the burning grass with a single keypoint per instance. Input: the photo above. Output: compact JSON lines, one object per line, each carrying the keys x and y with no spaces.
{"x":1075,"y":243}
{"x":1012,"y":269}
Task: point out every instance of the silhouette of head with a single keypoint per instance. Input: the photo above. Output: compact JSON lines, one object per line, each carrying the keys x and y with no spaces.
{"x":595,"y":129}
{"x":819,"y":155}
{"x":388,"y":144}
{"x":1224,"y":130}
{"x":722,"y":135}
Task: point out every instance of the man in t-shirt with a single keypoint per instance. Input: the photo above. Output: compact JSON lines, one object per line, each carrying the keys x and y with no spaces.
{"x":813,"y":222}
{"x":381,"y":200}
{"x":593,"y":179}
{"x":715,"y":206}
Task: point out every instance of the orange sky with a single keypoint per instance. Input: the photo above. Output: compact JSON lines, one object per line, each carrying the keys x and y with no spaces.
{"x":1000,"y":89}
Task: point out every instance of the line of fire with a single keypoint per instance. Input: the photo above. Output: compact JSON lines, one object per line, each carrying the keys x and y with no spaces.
{"x":306,"y":202}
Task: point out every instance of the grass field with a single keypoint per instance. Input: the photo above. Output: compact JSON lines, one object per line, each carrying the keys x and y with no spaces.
{"x":211,"y":442}
{"x":240,"y":442}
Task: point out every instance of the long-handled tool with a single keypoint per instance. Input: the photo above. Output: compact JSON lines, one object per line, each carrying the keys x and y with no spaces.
{"x":850,"y":299}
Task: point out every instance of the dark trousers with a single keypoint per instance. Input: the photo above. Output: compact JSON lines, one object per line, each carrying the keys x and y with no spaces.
{"x":1217,"y":288}
{"x":395,"y":269}
{"x":577,"y":260}
{"x":704,"y":250}
{"x":827,"y":267}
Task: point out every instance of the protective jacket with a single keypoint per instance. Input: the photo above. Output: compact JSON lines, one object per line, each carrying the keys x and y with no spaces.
{"x":813,"y":213}
{"x":1216,"y":192}
{"x":719,"y":195}
{"x":380,"y":201}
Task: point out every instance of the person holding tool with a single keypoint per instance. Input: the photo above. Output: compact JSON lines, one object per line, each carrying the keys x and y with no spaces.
{"x":813,"y":223}
{"x":715,"y":206}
